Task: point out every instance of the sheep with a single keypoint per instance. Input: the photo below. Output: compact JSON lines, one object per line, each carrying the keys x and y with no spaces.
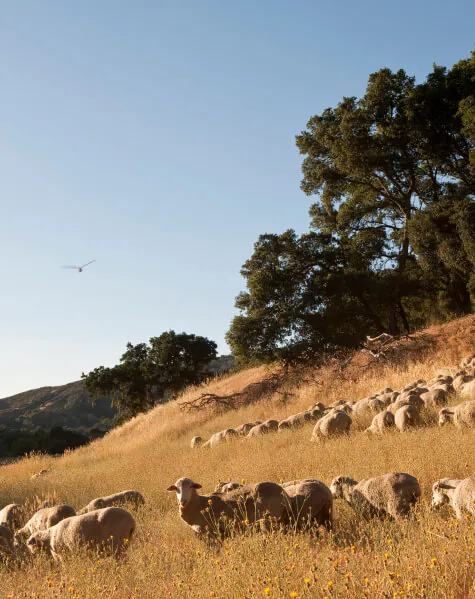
{"x":124,"y":497}
{"x":468,"y":361}
{"x":460,"y":494}
{"x":392,"y":494}
{"x":7,"y":547}
{"x":468,"y":389}
{"x":295,"y":421}
{"x":284,"y":425}
{"x":221,"y":437}
{"x":333,"y":424}
{"x":243,"y":429}
{"x":316,"y":406}
{"x":435,"y":397}
{"x":13,"y":516}
{"x":461,"y":379}
{"x":461,"y":415}
{"x":196,"y":441}
{"x":263,"y":502}
{"x":412,"y":400}
{"x":223,"y":487}
{"x":263,"y":428}
{"x":45,"y":518}
{"x":40,"y":473}
{"x":109,"y":529}
{"x":207,"y":515}
{"x":381,"y":422}
{"x":311,"y":503}
{"x":406,"y":417}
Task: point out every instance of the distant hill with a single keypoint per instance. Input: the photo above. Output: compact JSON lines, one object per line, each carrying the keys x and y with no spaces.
{"x":67,"y":406}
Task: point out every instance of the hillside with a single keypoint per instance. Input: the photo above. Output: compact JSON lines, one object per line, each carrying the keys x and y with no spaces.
{"x":429,"y":555}
{"x":67,"y":406}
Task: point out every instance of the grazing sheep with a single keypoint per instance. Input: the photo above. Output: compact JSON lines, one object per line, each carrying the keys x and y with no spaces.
{"x":407,"y":417}
{"x":262,"y":429}
{"x":109,"y":529}
{"x":124,"y":497}
{"x":243,"y":429}
{"x":468,"y":361}
{"x":196,"y":441}
{"x":461,"y":415}
{"x":435,"y":397}
{"x":460,"y":494}
{"x":284,"y":425}
{"x":264,"y":502}
{"x":316,"y":406}
{"x":392,"y":494}
{"x":223,"y":487}
{"x":461,"y":379}
{"x":7,"y":548}
{"x":412,"y":400}
{"x":381,"y":422}
{"x":13,"y":516}
{"x":45,"y":518}
{"x":40,"y":473}
{"x":333,"y":424}
{"x":468,"y":389}
{"x":221,"y":437}
{"x":311,"y":503}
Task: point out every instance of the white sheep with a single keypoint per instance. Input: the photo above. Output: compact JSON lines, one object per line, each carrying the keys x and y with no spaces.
{"x":264,"y":428}
{"x":333,"y":424}
{"x":42,"y":472}
{"x":407,"y":417}
{"x":310,"y":504}
{"x":461,"y":415}
{"x":108,"y":530}
{"x":394,"y":494}
{"x":460,"y":494}
{"x":381,"y":422}
{"x":196,"y":442}
{"x":13,"y":516}
{"x":134,"y":498}
{"x":434,"y":397}
{"x":45,"y":518}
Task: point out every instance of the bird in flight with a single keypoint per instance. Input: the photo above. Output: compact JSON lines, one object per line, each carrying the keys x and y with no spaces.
{"x":79,"y":268}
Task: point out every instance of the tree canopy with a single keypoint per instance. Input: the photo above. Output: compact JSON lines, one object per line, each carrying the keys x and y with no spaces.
{"x":392,"y":238}
{"x":152,"y":373}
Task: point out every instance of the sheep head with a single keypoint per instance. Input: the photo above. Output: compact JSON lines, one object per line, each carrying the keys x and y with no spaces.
{"x":445,"y":415}
{"x":185,"y":490}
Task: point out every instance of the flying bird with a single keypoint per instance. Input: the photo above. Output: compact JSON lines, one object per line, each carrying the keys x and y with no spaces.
{"x":79,"y":268}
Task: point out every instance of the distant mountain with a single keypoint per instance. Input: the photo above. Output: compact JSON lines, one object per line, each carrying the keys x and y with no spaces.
{"x":67,"y":406}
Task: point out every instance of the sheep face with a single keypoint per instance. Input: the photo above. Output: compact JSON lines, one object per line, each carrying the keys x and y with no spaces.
{"x":439,"y":497}
{"x":445,"y":415}
{"x":38,"y":542}
{"x":185,"y":490}
{"x":336,"y":488}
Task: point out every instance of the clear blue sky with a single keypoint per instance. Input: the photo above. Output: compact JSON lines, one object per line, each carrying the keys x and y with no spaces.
{"x":157,"y":137}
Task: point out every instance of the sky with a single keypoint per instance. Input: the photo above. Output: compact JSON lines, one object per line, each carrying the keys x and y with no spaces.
{"x":158,"y":138}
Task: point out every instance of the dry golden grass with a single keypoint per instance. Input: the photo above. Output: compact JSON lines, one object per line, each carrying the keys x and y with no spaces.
{"x":429,"y":555}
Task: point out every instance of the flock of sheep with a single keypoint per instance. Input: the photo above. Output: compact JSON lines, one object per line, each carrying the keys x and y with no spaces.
{"x":308,"y":504}
{"x":401,"y":409}
{"x":232,"y":507}
{"x":58,"y":529}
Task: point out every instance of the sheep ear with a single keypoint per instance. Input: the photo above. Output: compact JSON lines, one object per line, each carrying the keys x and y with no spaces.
{"x":172,"y":488}
{"x":196,"y":486}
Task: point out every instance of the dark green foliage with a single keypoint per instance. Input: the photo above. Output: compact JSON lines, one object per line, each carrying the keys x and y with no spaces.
{"x":153,"y":373}
{"x":392,"y":239}
{"x":56,"y":441}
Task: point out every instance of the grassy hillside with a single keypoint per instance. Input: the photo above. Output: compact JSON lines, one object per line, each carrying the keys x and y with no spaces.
{"x":67,"y":405}
{"x":430,"y":555}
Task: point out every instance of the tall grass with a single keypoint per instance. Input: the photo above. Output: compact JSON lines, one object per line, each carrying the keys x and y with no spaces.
{"x":428,"y":555}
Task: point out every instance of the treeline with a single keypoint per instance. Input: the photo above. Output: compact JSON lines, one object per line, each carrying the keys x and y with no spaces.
{"x":391,"y":240}
{"x":153,"y":373}
{"x":55,"y":441}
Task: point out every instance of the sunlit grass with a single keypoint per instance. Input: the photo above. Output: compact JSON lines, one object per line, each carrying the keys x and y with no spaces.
{"x":428,"y":555}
